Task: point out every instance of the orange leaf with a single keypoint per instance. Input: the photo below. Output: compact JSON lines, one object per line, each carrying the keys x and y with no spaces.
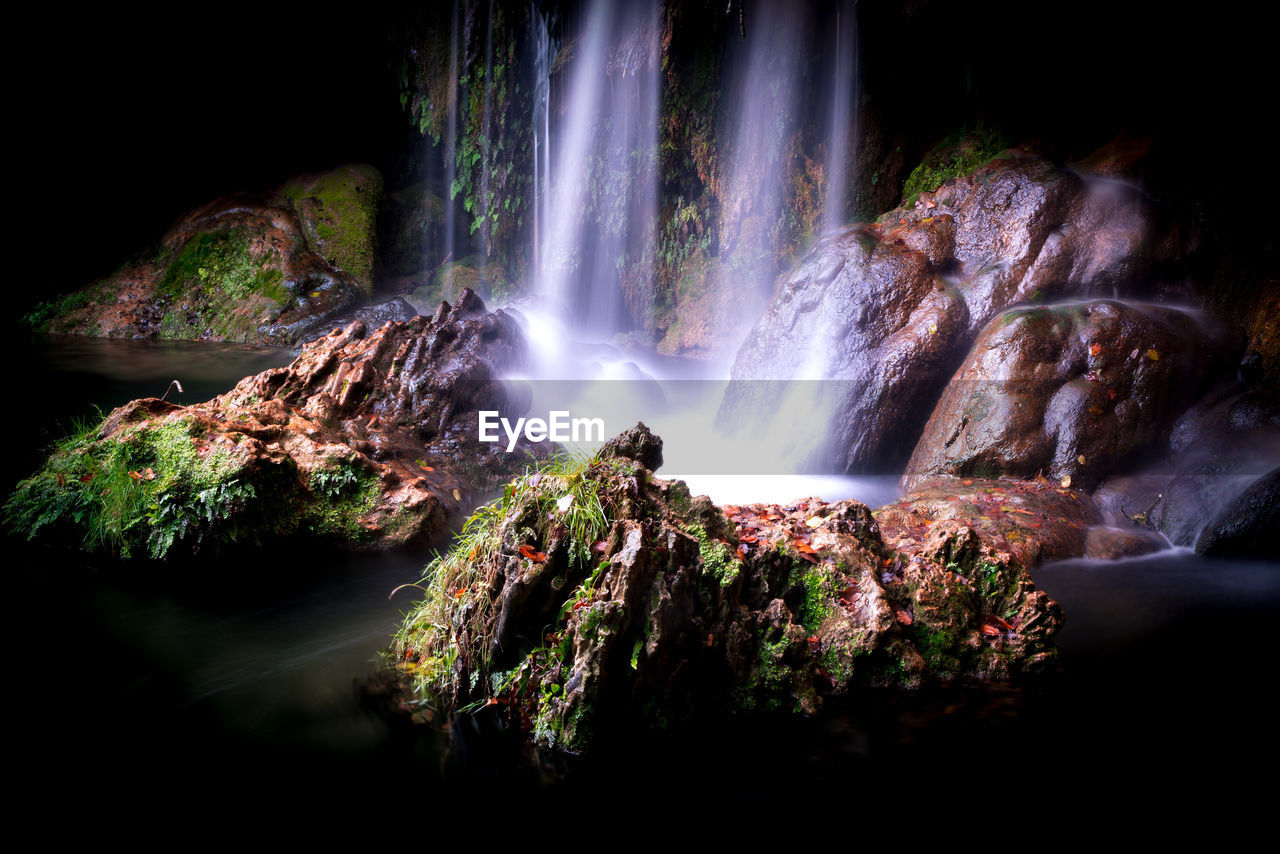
{"x":1095,"y":349}
{"x":135,"y":476}
{"x":459,"y":593}
{"x":990,"y":630}
{"x":903,"y":617}
{"x":536,"y":557}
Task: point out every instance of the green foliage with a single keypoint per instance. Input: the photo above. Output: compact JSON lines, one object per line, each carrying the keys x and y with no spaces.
{"x":493,"y":144}
{"x":217,"y":283}
{"x":959,"y":153}
{"x":717,"y":560}
{"x":340,"y":495}
{"x":141,"y":490}
{"x":560,"y":499}
{"x":177,"y":515}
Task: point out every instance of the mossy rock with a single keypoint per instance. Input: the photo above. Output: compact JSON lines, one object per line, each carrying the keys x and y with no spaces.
{"x":339,"y":211}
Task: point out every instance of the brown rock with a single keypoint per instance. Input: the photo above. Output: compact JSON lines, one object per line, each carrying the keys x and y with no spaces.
{"x":1032,"y":521}
{"x":1066,"y":390}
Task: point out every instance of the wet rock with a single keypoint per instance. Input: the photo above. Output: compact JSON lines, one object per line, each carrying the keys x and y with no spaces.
{"x":1261,"y":365}
{"x":638,"y":444}
{"x":372,"y":316}
{"x":368,"y":439}
{"x":1033,"y":521}
{"x":883,"y":313}
{"x":1215,"y":451}
{"x":263,"y":269}
{"x":338,"y":210}
{"x":1107,"y":542}
{"x":873,"y":324}
{"x":681,"y":608}
{"x":1247,"y":526}
{"x":1067,"y":391}
{"x":412,"y":238}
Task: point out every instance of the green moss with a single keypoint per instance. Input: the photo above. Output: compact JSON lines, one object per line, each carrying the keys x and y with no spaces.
{"x":819,"y":586}
{"x":339,"y":214}
{"x":217,"y":283}
{"x":959,"y":153}
{"x":341,"y":495}
{"x":717,"y":561}
{"x":138,"y":492}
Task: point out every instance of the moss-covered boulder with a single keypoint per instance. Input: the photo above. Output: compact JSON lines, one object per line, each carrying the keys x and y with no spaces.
{"x":338,"y":210}
{"x":593,"y":595}
{"x":367,"y":440}
{"x":268,"y":269}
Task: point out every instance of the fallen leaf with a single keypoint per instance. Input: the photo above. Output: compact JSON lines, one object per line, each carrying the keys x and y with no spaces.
{"x":457,"y":496}
{"x":85,"y":478}
{"x":565,"y":502}
{"x":1066,"y":481}
{"x":903,"y":617}
{"x":1080,"y":459}
{"x":814,"y":521}
{"x":1095,"y":349}
{"x":933,"y":329}
{"x":459,"y":593}
{"x":535,"y":556}
{"x":990,"y":630}
{"x":1153,"y":354}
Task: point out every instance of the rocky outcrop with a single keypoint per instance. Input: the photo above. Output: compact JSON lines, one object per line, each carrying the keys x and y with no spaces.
{"x":1216,"y":450}
{"x":1067,"y":391}
{"x":1247,"y":526}
{"x":596,"y":596}
{"x":1034,"y":520}
{"x":368,"y":439}
{"x":269,"y":269}
{"x":338,"y":210}
{"x":883,"y":313}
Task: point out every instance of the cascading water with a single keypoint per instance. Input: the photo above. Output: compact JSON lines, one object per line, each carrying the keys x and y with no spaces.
{"x":485,"y":139}
{"x":597,"y":209}
{"x":451,"y":151}
{"x":842,"y":129}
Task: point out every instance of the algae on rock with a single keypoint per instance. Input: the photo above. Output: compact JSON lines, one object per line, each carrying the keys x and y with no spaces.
{"x":678,"y":608}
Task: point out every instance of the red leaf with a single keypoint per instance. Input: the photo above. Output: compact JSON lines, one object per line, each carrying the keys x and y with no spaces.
{"x":990,"y":630}
{"x":536,"y":557}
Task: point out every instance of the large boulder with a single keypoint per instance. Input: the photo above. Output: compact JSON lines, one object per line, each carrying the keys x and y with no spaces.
{"x":1068,"y":391}
{"x":595,"y":597}
{"x":1247,"y":526}
{"x":368,"y":439}
{"x":339,"y":214}
{"x":1216,"y":450}
{"x":266,"y":269}
{"x":883,"y":313}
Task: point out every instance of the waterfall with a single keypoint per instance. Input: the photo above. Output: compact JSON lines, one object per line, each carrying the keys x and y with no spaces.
{"x":607,"y":141}
{"x":544,"y":49}
{"x":843,"y":116}
{"x":450,"y":153}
